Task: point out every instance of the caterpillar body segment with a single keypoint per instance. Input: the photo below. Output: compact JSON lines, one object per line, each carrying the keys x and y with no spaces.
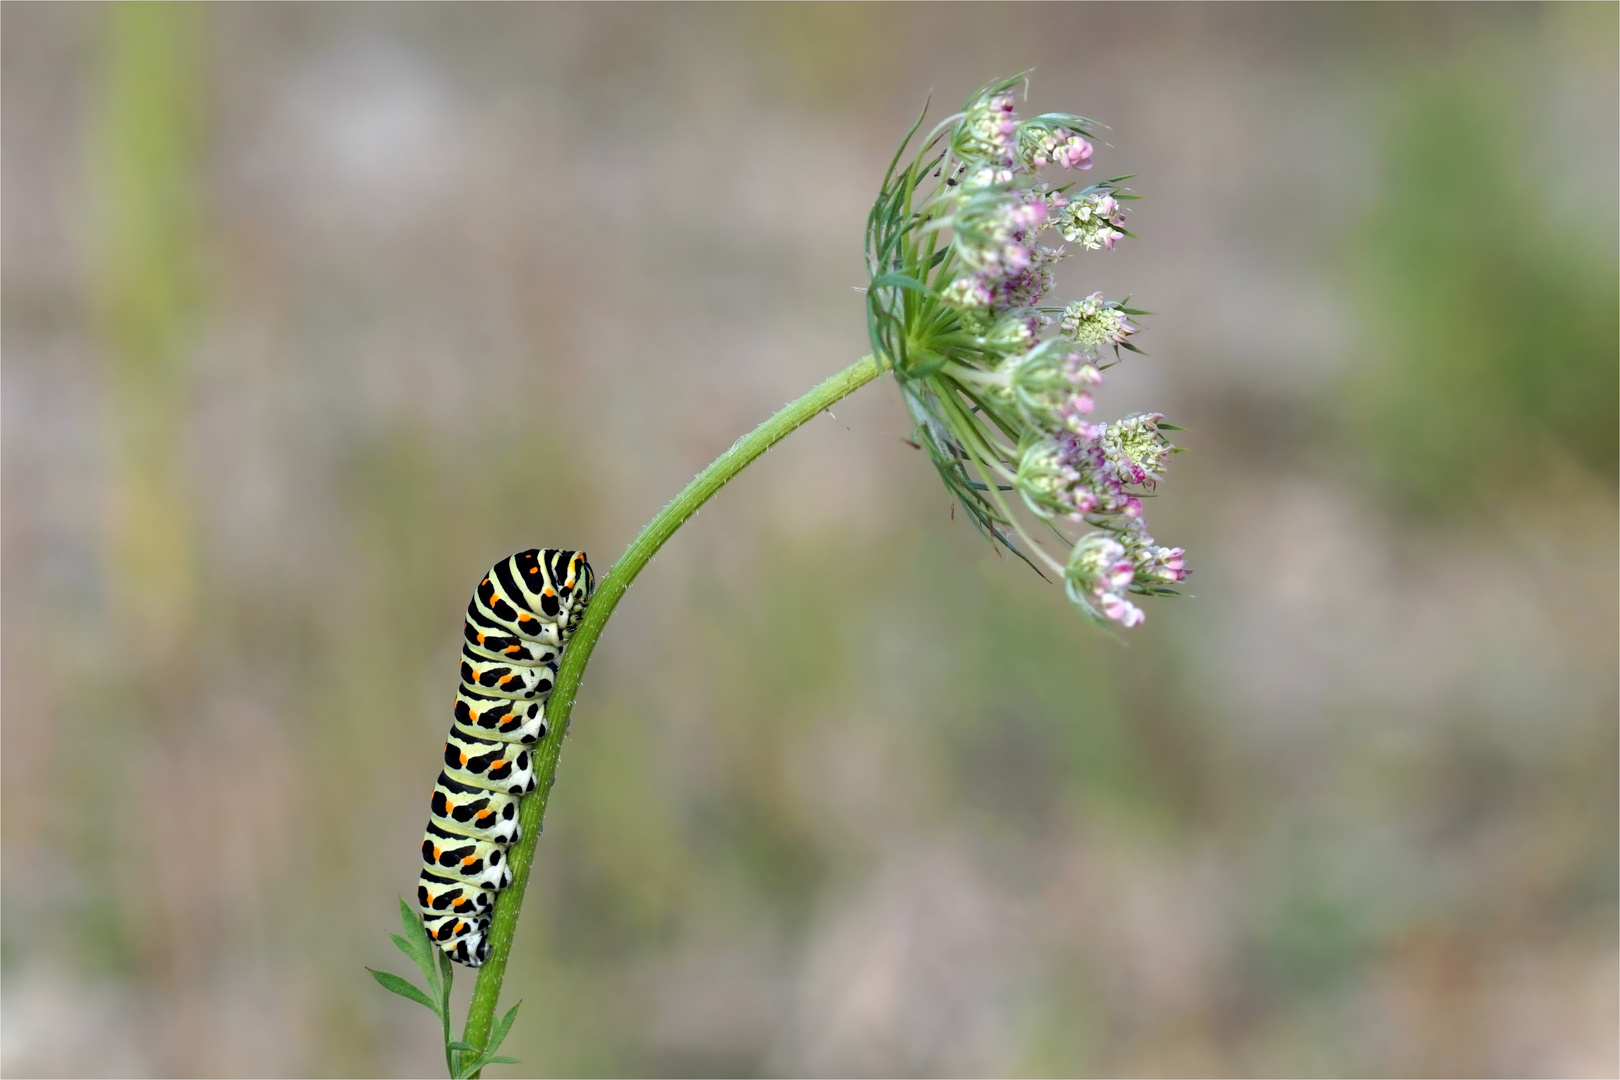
{"x":465,"y":940}
{"x":489,"y":641}
{"x":474,"y":811}
{"x":519,"y":620}
{"x":498,"y":766}
{"x":490,"y":717}
{"x":505,"y":678}
{"x":481,"y":863}
{"x":439,"y":895}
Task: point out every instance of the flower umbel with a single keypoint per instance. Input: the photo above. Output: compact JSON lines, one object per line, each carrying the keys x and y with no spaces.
{"x":1094,"y":220}
{"x":961,"y":247}
{"x":1093,"y":323}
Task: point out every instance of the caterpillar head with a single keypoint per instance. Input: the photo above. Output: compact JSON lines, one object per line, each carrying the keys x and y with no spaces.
{"x":578,"y":580}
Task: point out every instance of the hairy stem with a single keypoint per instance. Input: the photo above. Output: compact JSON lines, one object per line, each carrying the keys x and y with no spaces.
{"x":487,"y":991}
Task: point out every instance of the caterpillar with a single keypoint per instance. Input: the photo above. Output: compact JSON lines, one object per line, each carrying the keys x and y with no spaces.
{"x":518,"y":623}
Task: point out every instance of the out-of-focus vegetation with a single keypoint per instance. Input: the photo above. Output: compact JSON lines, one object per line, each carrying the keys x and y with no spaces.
{"x":310,"y":313}
{"x":1487,"y":313}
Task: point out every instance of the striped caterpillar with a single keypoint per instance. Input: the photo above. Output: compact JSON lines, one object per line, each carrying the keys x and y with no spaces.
{"x":518,"y":621}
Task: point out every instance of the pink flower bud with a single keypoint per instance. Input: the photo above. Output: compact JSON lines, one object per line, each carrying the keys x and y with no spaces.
{"x":1073,"y":154}
{"x":1120,"y":610}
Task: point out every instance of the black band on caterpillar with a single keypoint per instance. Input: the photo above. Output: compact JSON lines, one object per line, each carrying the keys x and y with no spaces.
{"x":518,"y":622}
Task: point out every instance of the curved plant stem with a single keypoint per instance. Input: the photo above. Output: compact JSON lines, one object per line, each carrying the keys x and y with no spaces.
{"x":486,"y":992}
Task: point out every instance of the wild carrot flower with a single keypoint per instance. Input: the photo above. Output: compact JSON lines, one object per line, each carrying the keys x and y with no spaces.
{"x":1000,"y":381}
{"x":1094,"y":220}
{"x":1094,"y":322}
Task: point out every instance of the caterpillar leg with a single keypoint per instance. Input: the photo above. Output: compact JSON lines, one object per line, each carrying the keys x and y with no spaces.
{"x":467,"y":941}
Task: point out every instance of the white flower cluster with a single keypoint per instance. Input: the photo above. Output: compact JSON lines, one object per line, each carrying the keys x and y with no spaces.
{"x":1060,"y":146}
{"x":1096,"y":220}
{"x":1094,"y":322}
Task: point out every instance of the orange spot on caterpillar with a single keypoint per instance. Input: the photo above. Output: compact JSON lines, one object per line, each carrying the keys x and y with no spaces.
{"x":496,"y":764}
{"x":463,"y":758}
{"x":524,"y":617}
{"x":480,"y":639}
{"x":469,"y":860}
{"x":435,"y":852}
{"x":448,"y":806}
{"x":506,"y":679}
{"x":482,"y":814}
{"x":549,"y":591}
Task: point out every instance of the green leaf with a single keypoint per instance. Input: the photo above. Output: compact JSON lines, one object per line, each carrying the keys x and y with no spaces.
{"x":423,"y":964}
{"x":472,"y":1068}
{"x":901,"y":149}
{"x":924,"y":363}
{"x":416,"y":945}
{"x":487,"y":1056}
{"x":903,"y":282}
{"x":503,"y":1027}
{"x":403,"y":988}
{"x":448,"y":971}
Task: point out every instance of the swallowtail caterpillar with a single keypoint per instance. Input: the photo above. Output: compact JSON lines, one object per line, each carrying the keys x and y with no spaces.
{"x":518,"y":622}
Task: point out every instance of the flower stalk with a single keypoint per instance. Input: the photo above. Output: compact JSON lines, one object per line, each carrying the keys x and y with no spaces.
{"x":611,"y":589}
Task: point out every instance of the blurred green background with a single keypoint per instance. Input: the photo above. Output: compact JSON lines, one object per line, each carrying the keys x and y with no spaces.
{"x":312,"y":312}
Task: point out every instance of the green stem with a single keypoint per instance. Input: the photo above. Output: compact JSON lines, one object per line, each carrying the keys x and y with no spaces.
{"x":446,"y":970}
{"x":487,"y":991}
